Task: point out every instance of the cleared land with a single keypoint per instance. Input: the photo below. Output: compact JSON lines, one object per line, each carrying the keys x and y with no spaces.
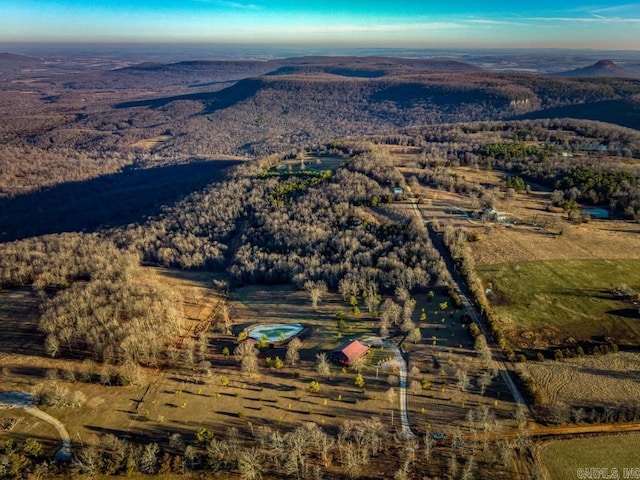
{"x":309,"y":162}
{"x":563,"y":458}
{"x":550,"y":301}
{"x":212,"y":393}
{"x":150,"y":143}
{"x":610,"y":380}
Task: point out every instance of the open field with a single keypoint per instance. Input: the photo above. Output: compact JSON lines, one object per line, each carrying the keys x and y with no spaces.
{"x":555,"y":300}
{"x":610,"y":380}
{"x":313,"y":162}
{"x":563,"y":458}
{"x":599,"y":239}
{"x":533,"y":232}
{"x":215,"y":395}
{"x":150,"y":143}
{"x":550,"y":277}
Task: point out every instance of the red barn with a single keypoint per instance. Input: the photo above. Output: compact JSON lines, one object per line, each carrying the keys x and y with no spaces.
{"x":349,"y":352}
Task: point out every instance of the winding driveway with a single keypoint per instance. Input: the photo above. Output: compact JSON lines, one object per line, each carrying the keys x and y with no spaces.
{"x":25,"y":400}
{"x":402,"y":365}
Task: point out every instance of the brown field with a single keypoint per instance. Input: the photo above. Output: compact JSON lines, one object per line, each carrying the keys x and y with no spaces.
{"x":312,"y":162}
{"x":605,"y":239}
{"x":610,"y":380}
{"x":150,"y":143}
{"x":552,"y":238}
{"x":599,"y":239}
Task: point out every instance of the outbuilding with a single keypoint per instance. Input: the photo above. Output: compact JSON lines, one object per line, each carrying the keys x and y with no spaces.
{"x":349,"y":352}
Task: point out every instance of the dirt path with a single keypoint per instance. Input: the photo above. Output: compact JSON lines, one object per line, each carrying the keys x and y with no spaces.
{"x":64,"y":452}
{"x":458,"y":284}
{"x":537,"y":430}
{"x":407,"y":433}
{"x":10,"y":400}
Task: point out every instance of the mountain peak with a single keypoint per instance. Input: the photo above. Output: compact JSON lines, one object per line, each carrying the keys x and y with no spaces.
{"x":602,"y":68}
{"x":605,"y":64}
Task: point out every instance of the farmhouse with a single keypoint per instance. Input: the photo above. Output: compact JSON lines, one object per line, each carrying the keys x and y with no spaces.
{"x":349,"y":352}
{"x":490,"y":213}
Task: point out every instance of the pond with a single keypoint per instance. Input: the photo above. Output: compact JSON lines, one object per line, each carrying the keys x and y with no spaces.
{"x":596,"y":212}
{"x":275,"y":332}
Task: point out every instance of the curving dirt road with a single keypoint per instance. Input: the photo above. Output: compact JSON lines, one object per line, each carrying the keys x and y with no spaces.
{"x":407,"y":433}
{"x":64,"y":452}
{"x":24,"y":400}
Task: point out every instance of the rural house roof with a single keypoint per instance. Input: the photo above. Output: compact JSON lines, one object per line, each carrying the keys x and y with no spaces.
{"x":349,"y":352}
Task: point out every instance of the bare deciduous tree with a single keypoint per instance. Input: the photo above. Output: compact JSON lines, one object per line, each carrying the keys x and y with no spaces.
{"x":247,"y":354}
{"x":250,"y":464}
{"x":484,"y":381}
{"x":316,"y":291}
{"x":322,"y":365}
{"x":149,"y":458}
{"x":463,"y":380}
{"x":293,"y":350}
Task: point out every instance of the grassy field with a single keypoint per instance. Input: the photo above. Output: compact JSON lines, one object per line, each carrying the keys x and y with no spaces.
{"x":563,"y":458}
{"x":558,"y":299}
{"x":212,"y":393}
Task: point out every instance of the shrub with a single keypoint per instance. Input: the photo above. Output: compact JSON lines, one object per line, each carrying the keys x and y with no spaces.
{"x":474,"y":330}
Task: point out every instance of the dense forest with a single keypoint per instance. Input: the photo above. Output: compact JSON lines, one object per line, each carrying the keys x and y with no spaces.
{"x":279,"y":229}
{"x":211,"y":109}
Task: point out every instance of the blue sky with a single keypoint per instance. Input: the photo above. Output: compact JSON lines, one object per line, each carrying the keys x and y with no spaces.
{"x":417,"y":23}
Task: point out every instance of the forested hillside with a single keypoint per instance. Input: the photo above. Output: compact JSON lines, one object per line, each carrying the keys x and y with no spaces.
{"x":63,"y":127}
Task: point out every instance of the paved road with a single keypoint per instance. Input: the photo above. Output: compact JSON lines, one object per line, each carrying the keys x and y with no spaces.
{"x":402,"y":365}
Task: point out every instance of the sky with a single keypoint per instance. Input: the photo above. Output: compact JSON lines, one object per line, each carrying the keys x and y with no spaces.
{"x":398,"y":23}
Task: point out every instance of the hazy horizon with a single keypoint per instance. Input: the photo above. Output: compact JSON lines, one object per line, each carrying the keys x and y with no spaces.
{"x":331,"y":24}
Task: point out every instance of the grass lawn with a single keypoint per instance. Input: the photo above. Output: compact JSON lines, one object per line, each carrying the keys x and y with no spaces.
{"x":563,"y":458}
{"x":571,"y":297}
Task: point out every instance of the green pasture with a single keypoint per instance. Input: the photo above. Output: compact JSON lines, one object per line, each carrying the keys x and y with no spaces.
{"x":564,"y":458}
{"x":573,"y":297}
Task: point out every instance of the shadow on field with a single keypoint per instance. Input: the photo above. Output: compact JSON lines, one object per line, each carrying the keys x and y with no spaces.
{"x":212,"y":101}
{"x":110,"y":200}
{"x":585,"y":293}
{"x":628,"y":375}
{"x":626,"y":313}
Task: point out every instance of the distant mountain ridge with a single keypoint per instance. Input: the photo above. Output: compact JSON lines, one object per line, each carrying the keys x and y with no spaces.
{"x":365,"y":67}
{"x":601,"y":69}
{"x":7,"y":58}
